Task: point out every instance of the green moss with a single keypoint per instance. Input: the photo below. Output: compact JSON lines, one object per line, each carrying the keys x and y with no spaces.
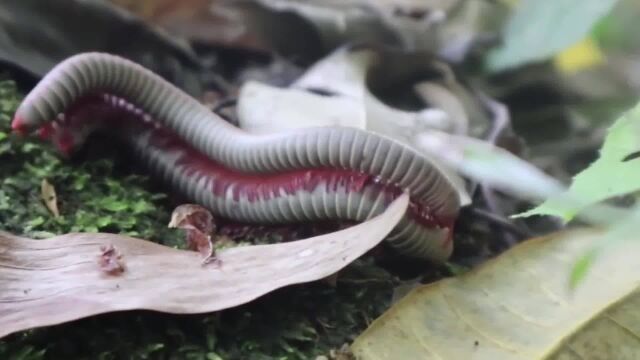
{"x":297,"y":322}
{"x":92,"y":196}
{"x":293,"y":323}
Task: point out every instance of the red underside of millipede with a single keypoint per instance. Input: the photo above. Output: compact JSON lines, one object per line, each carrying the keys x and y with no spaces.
{"x":94,"y":112}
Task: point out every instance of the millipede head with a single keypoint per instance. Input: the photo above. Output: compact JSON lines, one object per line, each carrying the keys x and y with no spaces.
{"x":19,"y":127}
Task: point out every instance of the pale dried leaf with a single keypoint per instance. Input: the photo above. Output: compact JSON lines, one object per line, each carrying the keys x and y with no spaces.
{"x":519,"y":306}
{"x":440,"y":97}
{"x":276,"y":113}
{"x":57,"y":280}
{"x":48,"y":195}
{"x":489,"y":164}
{"x":405,"y":24}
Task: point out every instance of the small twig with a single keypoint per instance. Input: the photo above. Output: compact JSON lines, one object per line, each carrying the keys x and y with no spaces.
{"x":220,"y":83}
{"x":501,"y":120}
{"x":500,"y":221}
{"x":224,"y":104}
{"x":489,"y":198}
{"x":365,"y":281}
{"x":501,"y":117}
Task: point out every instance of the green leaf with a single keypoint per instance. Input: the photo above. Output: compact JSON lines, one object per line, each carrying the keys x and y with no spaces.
{"x":104,"y":221}
{"x":141,"y":206}
{"x":4,"y":201}
{"x":213,"y":356}
{"x":80,"y":182}
{"x":35,"y":222}
{"x":455,"y":269}
{"x":113,"y":204}
{"x":623,"y":229}
{"x":519,"y":306}
{"x":28,"y":353}
{"x":580,"y":269}
{"x":615,"y":173}
{"x":539,"y":29}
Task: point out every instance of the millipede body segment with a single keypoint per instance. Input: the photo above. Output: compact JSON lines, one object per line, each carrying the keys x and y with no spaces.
{"x":299,"y":175}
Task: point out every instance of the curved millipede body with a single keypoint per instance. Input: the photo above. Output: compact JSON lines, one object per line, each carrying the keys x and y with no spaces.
{"x":298,"y":175}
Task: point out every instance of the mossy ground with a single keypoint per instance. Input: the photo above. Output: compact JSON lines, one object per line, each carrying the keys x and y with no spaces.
{"x":297,"y":322}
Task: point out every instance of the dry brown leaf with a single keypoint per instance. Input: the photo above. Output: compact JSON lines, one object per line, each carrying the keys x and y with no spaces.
{"x":160,"y":10}
{"x":51,"y":281}
{"x":302,"y":27}
{"x":243,"y":24}
{"x":192,"y":217}
{"x":48,"y":195}
{"x":36,"y":35}
{"x":110,"y":260}
{"x":198,"y":223}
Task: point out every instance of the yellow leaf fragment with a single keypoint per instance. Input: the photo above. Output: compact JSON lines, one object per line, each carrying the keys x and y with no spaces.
{"x":581,"y":56}
{"x":48,"y":195}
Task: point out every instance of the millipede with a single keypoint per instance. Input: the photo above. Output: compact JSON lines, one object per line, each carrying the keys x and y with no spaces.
{"x":298,"y":175}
